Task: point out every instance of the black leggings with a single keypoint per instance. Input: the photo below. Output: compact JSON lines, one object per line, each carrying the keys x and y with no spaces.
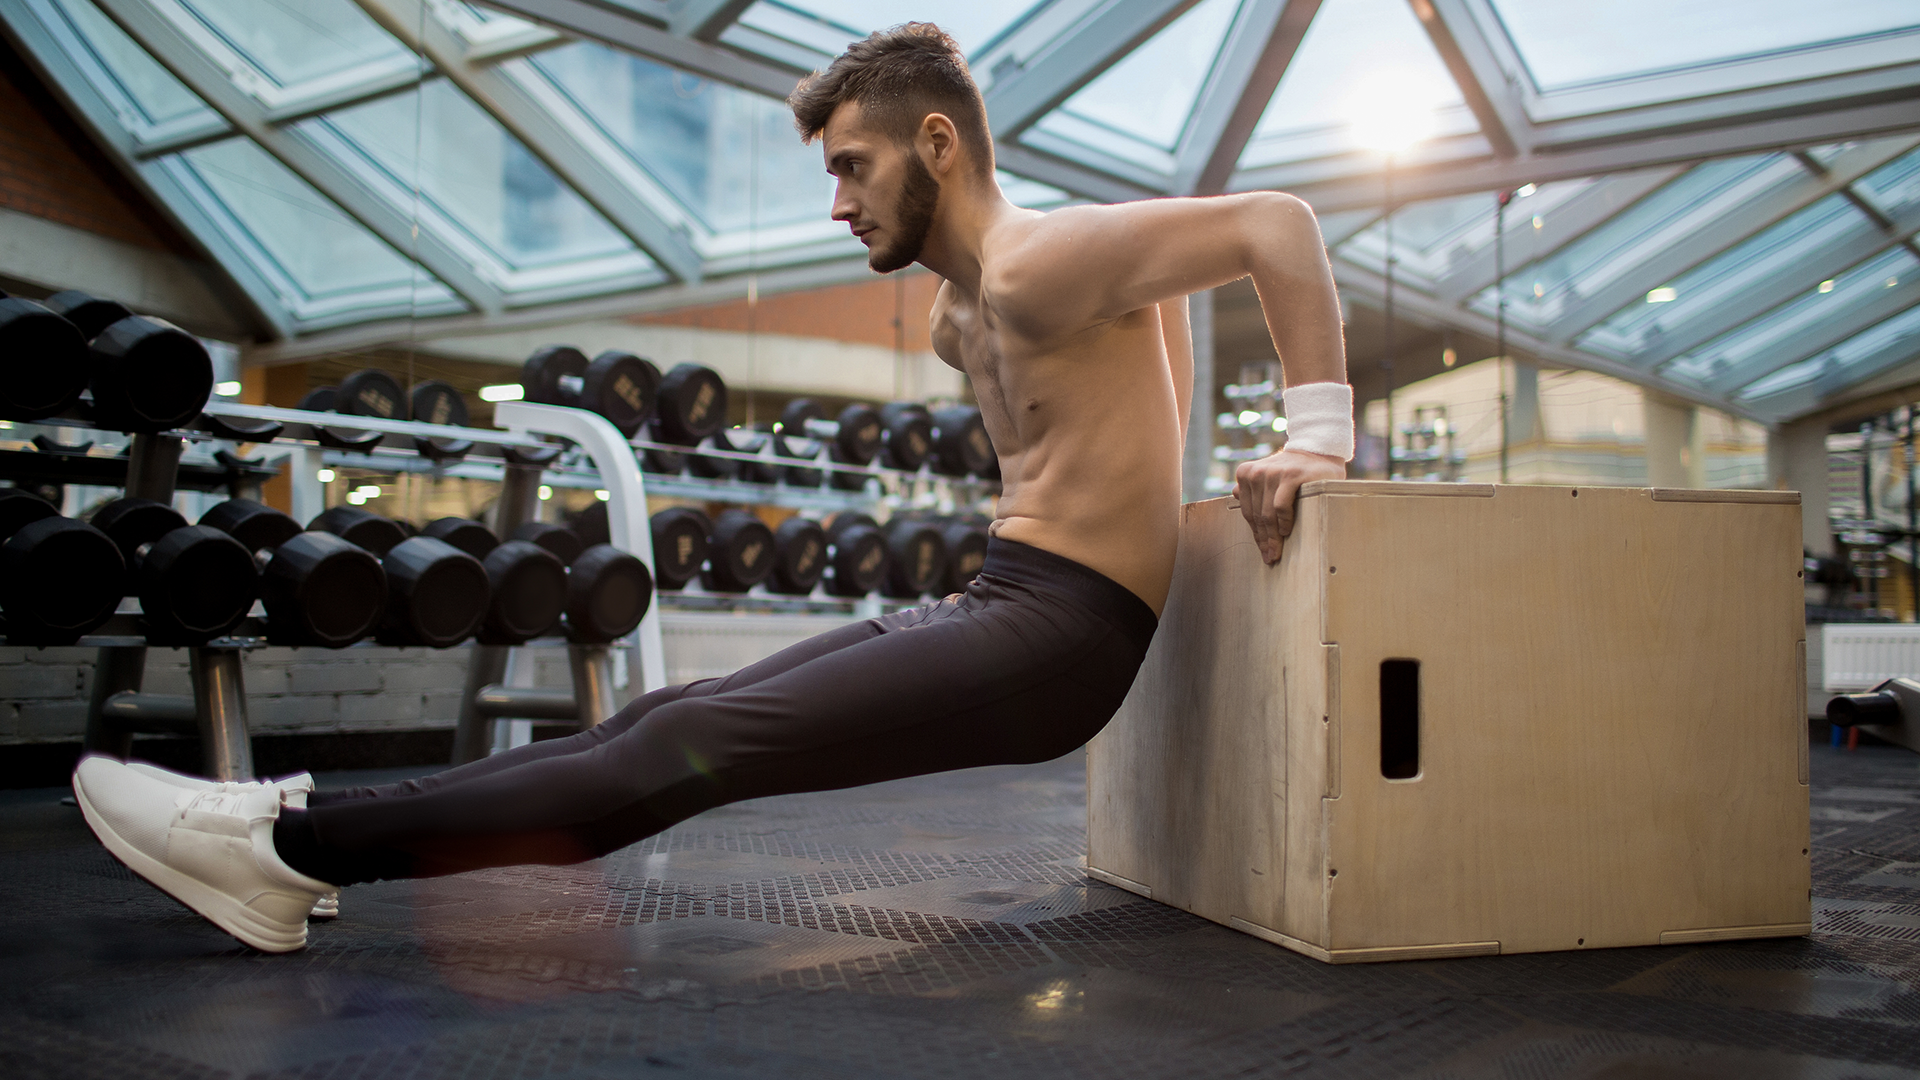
{"x":1027,"y":664}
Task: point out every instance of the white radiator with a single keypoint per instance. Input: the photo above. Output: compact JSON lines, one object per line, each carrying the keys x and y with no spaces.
{"x":1859,"y":656}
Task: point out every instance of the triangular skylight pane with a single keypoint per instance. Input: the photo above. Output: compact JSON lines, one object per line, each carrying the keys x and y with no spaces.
{"x":696,"y":137}
{"x":1361,"y":60}
{"x":296,"y":41}
{"x":483,"y":179}
{"x":1567,"y":44}
{"x":310,"y":243}
{"x":827,"y":25}
{"x":144,"y":94}
{"x":1149,"y":95}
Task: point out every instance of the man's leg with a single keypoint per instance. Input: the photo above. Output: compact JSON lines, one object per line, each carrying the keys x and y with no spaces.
{"x":1003,"y":675}
{"x":617,"y":724}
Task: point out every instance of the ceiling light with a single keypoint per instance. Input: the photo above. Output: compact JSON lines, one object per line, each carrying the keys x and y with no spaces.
{"x":354,"y":498}
{"x":546,"y":492}
{"x":325,"y":476}
{"x":1526,"y":189}
{"x":368,"y":491}
{"x":1663,"y":295}
{"x":1892,"y":281}
{"x":1248,"y":418}
{"x":1826,"y":286}
{"x":503,"y":392}
{"x":230,"y":388}
{"x":602,"y":494}
{"x":1279,"y":423}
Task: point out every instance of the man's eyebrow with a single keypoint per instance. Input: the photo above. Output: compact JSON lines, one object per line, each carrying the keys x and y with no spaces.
{"x":839,"y":158}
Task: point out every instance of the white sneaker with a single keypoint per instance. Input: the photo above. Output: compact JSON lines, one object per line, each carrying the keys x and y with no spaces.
{"x":293,"y":792}
{"x":209,"y":848}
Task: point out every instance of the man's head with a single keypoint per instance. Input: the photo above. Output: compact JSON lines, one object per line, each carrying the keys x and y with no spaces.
{"x":900,"y":116}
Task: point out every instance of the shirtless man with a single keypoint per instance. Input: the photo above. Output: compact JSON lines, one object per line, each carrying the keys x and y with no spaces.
{"x":1073,"y":328}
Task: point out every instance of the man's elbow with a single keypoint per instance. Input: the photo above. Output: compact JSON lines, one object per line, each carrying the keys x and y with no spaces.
{"x":1283,"y":226}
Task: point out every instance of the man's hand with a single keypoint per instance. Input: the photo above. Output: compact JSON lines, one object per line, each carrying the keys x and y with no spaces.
{"x":1266,"y":489}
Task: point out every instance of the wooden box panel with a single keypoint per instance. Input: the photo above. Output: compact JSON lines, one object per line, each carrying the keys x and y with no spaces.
{"x":1611,"y":743}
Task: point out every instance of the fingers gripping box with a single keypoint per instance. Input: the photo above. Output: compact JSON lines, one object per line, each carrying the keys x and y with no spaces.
{"x":1462,"y":719}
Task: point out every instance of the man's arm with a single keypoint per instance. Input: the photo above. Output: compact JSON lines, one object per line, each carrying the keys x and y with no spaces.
{"x":1083,"y":267}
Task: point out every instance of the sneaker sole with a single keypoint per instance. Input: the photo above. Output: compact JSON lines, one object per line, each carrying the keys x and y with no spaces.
{"x":210,"y":903}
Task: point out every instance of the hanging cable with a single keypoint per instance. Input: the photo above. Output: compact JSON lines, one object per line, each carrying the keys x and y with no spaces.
{"x":1386,"y":353}
{"x":1500,"y":200}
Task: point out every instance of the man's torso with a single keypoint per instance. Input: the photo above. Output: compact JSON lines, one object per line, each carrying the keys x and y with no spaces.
{"x":1087,"y":421}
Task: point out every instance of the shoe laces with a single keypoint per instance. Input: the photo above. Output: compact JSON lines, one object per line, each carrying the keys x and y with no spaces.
{"x":225,"y":799}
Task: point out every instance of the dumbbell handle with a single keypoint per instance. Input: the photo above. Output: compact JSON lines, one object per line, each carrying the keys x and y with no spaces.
{"x":571,"y":385}
{"x":823,"y":429}
{"x":744,"y":455}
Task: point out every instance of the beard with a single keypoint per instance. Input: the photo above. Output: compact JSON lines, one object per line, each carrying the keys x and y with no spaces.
{"x":919,"y":197}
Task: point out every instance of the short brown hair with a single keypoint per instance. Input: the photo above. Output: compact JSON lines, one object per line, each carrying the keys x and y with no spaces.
{"x":899,"y":76}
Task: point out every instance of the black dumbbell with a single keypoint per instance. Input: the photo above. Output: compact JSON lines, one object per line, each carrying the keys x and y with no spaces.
{"x":693,"y":404}
{"x":800,"y":556}
{"x":437,"y":595}
{"x":371,"y":392}
{"x":679,"y":545}
{"x":324,"y":399}
{"x":563,"y":542}
{"x":59,"y":578}
{"x":853,"y":438}
{"x":89,"y":314}
{"x":858,"y":554}
{"x":738,"y":440}
{"x":618,"y":385}
{"x":908,"y":438}
{"x":592,"y":525}
{"x":362,"y":528}
{"x":655,"y":459}
{"x":466,"y":534}
{"x":740,"y":553}
{"x":916,"y":556}
{"x":195,"y":582}
{"x":435,"y":402}
{"x":318,"y":588}
{"x":961,"y":446}
{"x":148,"y":376}
{"x":529,"y":587}
{"x":796,"y":446}
{"x":241,"y":428}
{"x":966,"y":552}
{"x":608,"y":593}
{"x":43,"y":361}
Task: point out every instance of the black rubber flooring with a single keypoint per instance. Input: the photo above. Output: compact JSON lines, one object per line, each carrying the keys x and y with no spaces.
{"x":927,"y":928}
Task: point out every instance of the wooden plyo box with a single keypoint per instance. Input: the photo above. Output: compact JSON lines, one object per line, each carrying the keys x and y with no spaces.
{"x":1609,"y":704}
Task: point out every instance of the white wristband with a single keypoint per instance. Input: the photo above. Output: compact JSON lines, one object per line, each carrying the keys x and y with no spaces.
{"x":1320,"y":419}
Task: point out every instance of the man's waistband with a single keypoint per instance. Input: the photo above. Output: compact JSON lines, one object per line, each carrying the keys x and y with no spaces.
{"x":1024,"y":564}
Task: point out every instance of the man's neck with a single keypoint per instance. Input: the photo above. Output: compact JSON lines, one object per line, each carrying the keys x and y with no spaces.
{"x":966,"y":213}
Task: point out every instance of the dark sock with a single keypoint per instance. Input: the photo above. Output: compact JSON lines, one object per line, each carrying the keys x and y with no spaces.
{"x":300,"y":847}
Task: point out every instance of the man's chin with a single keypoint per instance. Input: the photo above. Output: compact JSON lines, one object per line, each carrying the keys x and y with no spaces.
{"x":886,"y":262}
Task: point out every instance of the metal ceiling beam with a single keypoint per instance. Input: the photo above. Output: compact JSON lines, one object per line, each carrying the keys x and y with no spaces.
{"x":33,"y":41}
{"x":1755,"y":215}
{"x":1354,"y":181}
{"x":290,"y":111}
{"x":1816,"y":337}
{"x":1559,"y":227}
{"x":635,"y":32}
{"x":1491,"y":91}
{"x":712,"y":290}
{"x":355,"y":196}
{"x":1821,"y":394}
{"x":1362,"y":282}
{"x":1260,"y":44}
{"x":704,"y":20}
{"x":1028,"y":89}
{"x":542,"y":133}
{"x":1780,"y":286}
{"x":1068,"y":176}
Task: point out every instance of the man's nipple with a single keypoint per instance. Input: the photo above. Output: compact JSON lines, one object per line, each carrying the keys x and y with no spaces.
{"x":1032,"y":404}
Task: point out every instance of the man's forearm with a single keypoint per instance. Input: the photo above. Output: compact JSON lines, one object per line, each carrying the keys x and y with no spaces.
{"x":1288,"y":262}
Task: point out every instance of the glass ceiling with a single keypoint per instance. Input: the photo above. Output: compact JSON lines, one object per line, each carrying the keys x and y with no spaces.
{"x":344,"y":174}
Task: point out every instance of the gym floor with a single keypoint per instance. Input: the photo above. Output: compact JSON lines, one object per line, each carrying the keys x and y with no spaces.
{"x":931,"y":927}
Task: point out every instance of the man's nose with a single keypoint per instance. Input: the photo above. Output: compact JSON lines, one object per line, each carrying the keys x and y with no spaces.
{"x":844,"y":207}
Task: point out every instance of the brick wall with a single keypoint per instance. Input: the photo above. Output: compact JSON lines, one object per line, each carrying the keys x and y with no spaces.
{"x":51,"y":169}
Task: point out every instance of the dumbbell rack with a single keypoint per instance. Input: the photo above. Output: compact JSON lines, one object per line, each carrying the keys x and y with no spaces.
{"x":217,"y":711}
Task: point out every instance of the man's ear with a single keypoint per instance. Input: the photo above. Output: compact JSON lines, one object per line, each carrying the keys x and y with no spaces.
{"x":938,"y":143}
